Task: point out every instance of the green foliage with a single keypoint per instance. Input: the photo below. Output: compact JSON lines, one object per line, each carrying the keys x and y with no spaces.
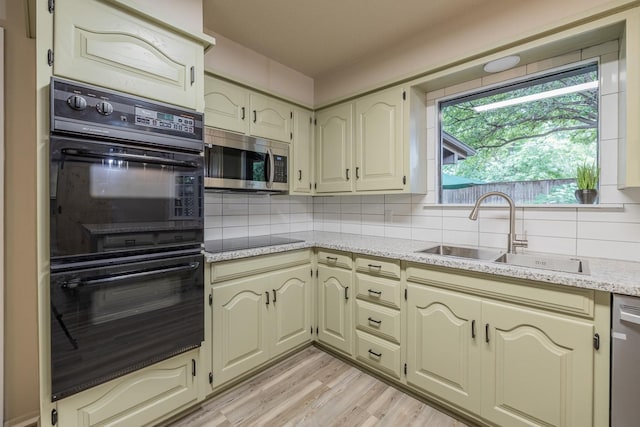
{"x":560,"y":194}
{"x":539,"y":140}
{"x":587,"y":176}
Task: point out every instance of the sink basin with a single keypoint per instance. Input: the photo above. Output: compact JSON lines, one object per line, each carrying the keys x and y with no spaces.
{"x":568,"y":265}
{"x":462,"y":252}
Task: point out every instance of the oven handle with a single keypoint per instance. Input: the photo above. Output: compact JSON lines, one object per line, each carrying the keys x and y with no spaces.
{"x":131,"y":275}
{"x":270,"y":166}
{"x":129,"y":157}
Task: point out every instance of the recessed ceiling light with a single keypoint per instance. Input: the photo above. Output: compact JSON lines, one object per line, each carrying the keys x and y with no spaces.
{"x":502,"y":64}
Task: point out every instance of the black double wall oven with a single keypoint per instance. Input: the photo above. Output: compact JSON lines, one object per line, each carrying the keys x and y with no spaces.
{"x":126,"y":234}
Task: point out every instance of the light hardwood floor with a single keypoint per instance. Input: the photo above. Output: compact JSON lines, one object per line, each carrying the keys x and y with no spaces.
{"x":313,"y":388}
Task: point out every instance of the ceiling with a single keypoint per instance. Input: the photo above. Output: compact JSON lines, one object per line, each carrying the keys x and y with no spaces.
{"x":316,"y":37}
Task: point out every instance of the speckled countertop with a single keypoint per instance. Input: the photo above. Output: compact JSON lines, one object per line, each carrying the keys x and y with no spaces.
{"x":620,"y":277}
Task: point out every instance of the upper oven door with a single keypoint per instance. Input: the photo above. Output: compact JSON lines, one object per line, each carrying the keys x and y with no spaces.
{"x":109,"y":198}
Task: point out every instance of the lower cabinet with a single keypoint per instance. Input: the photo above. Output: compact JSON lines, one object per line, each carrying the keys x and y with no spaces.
{"x":142,"y":398}
{"x":335,"y":308}
{"x":510,"y":364}
{"x":260,"y":316}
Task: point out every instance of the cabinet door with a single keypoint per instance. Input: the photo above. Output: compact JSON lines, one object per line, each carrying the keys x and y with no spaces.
{"x":140,"y":398}
{"x":225,"y":105}
{"x":335,"y":308}
{"x":240,"y":331}
{"x":334,"y":139}
{"x":444,"y":344}
{"x":291,"y":309}
{"x":301,"y":169}
{"x":379,"y":144}
{"x":270,"y":118}
{"x":537,"y":368}
{"x":97,"y":43}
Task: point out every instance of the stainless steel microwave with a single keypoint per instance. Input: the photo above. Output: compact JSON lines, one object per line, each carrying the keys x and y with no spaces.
{"x":244,"y":163}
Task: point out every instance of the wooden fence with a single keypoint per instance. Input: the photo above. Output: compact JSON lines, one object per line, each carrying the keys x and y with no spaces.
{"x":522,"y":192}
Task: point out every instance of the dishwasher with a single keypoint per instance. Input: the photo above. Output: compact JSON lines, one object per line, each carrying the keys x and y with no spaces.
{"x":625,"y":361}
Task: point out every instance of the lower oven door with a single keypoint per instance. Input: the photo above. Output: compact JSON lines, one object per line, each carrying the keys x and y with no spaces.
{"x":109,"y":320}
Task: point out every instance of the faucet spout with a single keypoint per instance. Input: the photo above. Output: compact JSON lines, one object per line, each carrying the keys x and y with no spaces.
{"x":512,"y":241}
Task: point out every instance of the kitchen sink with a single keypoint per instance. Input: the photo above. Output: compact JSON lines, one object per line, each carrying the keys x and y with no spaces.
{"x":568,"y":265}
{"x":463,"y":252}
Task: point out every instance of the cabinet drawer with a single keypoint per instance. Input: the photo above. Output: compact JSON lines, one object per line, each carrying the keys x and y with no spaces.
{"x":335,"y":259}
{"x":378,"y":353}
{"x":563,"y":299}
{"x":378,"y":267}
{"x":378,"y":290}
{"x":243,"y":267}
{"x":378,"y":320}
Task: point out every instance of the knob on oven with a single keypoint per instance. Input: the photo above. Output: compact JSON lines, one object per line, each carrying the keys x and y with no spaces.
{"x":77,"y":102}
{"x":104,"y":108}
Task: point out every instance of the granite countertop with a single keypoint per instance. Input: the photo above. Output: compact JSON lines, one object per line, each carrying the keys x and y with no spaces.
{"x":622,"y":277}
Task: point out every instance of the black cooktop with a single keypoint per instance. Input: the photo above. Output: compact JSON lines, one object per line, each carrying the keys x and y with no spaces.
{"x":225,"y":245}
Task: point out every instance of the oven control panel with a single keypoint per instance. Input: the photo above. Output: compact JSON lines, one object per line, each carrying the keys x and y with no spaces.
{"x":88,"y":110}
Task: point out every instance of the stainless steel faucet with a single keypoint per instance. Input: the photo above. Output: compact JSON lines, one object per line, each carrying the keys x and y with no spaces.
{"x":512,"y":241}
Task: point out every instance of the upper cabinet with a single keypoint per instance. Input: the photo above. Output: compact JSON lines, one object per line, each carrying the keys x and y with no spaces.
{"x":237,"y":109}
{"x":379,"y":149}
{"x":334,"y":146}
{"x":98,"y":43}
{"x":376,"y":143}
{"x":302,"y":148}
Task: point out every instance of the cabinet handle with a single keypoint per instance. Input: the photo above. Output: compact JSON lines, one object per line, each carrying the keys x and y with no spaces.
{"x":255,"y":116}
{"x":332,"y":258}
{"x":374,"y":353}
{"x":473,"y":329}
{"x":378,"y":322}
{"x":486,"y":332}
{"x":193,"y":75}
{"x":274,"y":296}
{"x":371,"y":291}
{"x":346,"y":293}
{"x":357,"y":172}
{"x":242,"y":118}
{"x":379,"y":267}
{"x":299,"y":175}
{"x":347,"y":174}
{"x":267,"y":293}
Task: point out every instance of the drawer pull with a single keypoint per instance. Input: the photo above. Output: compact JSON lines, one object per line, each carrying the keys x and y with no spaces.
{"x":371,"y":291}
{"x":378,"y":322}
{"x":332,"y":258}
{"x":374,"y":353}
{"x":379,"y":267}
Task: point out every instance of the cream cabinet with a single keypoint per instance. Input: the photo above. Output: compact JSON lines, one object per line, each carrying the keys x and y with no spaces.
{"x":379,"y":317}
{"x":301,"y":170}
{"x":517,"y":354}
{"x":334,"y":149}
{"x":335,"y":300}
{"x":260,"y":310}
{"x":232,"y":107}
{"x":379,"y":145}
{"x":144,"y":397}
{"x":96,"y":42}
{"x":375,"y":144}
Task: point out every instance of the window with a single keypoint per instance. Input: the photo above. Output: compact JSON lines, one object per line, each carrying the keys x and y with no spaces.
{"x":524,"y":138}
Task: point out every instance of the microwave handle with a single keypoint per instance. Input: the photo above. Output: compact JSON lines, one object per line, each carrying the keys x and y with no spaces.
{"x":270,"y":167}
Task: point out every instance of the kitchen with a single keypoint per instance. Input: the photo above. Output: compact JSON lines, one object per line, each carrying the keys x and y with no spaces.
{"x":614,"y":231}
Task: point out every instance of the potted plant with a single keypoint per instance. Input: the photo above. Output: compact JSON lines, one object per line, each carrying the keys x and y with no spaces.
{"x":587,"y":179}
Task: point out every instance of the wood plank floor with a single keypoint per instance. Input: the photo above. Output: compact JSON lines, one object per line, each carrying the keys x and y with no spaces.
{"x":313,"y":388}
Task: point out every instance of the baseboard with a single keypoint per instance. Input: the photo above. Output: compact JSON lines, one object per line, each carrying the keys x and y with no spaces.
{"x":29,"y":420}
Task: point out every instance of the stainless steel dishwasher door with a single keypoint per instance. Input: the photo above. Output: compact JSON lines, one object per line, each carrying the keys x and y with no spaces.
{"x":625,"y":362}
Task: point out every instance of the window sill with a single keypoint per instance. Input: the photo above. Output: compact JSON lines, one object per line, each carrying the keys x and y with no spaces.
{"x":610,"y":207}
